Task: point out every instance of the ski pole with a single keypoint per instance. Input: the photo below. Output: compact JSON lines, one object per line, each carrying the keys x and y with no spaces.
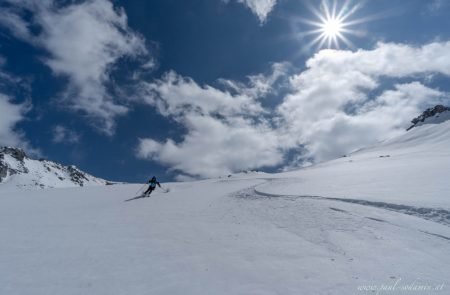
{"x":140,"y":190}
{"x":166,"y":190}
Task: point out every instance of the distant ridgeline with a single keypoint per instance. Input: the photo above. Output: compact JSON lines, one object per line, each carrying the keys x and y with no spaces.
{"x":434,"y":115}
{"x":18,"y":170}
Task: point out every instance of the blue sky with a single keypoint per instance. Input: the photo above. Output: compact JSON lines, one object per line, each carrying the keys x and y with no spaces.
{"x":203,"y":88}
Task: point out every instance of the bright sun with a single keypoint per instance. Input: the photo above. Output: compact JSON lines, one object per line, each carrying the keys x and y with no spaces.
{"x":332,"y":28}
{"x":332,"y":24}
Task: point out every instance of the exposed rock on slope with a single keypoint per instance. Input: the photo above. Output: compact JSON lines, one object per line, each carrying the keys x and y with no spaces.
{"x":435,"y":115}
{"x":18,"y":170}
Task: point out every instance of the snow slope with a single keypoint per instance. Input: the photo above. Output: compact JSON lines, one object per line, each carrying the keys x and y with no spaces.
{"x":374,"y":220}
{"x":210,"y":237}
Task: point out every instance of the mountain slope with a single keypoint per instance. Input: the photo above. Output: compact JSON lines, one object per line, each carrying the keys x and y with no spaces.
{"x":17,"y":170}
{"x":210,"y":237}
{"x":412,"y":169}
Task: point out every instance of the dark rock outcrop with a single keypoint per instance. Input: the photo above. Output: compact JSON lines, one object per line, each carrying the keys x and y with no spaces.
{"x":429,"y":113}
{"x":15,"y":153}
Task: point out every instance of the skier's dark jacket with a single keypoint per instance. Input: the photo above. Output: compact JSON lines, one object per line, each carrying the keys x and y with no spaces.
{"x":153,"y":183}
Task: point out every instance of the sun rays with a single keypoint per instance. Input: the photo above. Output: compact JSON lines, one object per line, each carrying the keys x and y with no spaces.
{"x":332,"y":24}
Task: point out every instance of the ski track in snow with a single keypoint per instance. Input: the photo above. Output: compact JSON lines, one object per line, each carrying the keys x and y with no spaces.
{"x":342,"y":227}
{"x":435,"y":215}
{"x":438,"y":215}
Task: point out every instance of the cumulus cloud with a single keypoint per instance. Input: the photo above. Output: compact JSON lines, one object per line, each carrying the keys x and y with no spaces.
{"x":261,"y":8}
{"x":386,"y":116}
{"x":225,"y":132}
{"x":342,"y":101}
{"x":332,"y":109}
{"x":84,"y":41}
{"x":215,"y":147}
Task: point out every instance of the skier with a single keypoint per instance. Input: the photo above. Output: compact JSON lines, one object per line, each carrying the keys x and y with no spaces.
{"x":152,"y":185}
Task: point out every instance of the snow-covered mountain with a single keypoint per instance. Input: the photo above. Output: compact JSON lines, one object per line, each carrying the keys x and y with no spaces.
{"x":17,"y":170}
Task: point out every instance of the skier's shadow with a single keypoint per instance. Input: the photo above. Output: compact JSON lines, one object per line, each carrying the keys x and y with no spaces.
{"x":135,"y":198}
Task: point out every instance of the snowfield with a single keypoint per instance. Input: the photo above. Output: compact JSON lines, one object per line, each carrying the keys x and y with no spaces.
{"x":376,"y":219}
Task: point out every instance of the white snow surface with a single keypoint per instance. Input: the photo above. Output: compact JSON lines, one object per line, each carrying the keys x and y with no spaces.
{"x":354,"y":225}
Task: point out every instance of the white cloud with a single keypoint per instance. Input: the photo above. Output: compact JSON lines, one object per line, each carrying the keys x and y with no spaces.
{"x":216,"y":147}
{"x":11,"y":114}
{"x":259,"y":85}
{"x":175,"y":95}
{"x":261,"y":8}
{"x":342,"y":101}
{"x":12,"y":21}
{"x":84,"y":41}
{"x":384,"y":117}
{"x":332,"y":109}
{"x":62,"y":134}
{"x":225,"y":132}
